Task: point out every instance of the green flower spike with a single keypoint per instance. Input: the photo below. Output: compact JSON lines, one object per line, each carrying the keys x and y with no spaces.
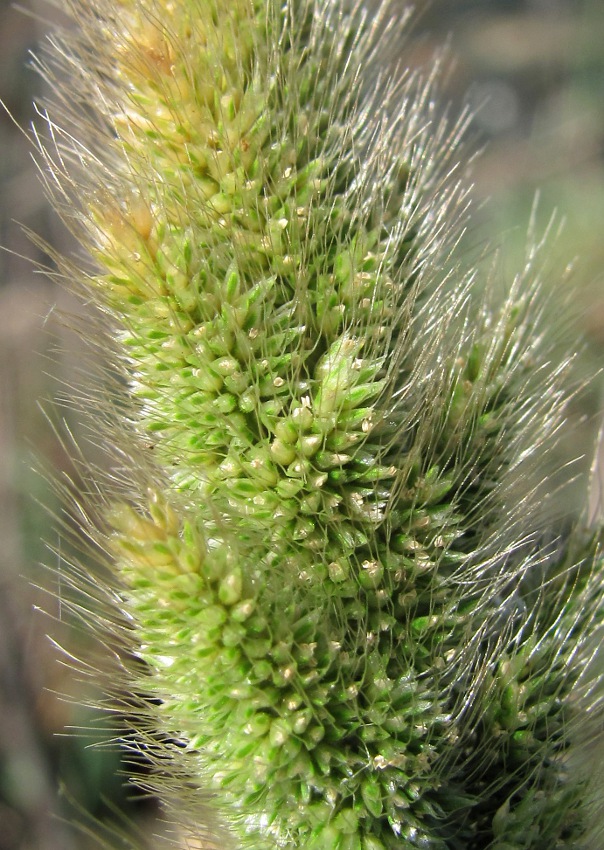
{"x":353,"y":628}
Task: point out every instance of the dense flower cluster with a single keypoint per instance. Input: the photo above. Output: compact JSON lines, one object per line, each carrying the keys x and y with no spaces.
{"x":349,"y":608}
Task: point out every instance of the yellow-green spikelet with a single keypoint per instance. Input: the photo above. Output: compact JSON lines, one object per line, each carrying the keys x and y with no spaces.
{"x":355,"y":655}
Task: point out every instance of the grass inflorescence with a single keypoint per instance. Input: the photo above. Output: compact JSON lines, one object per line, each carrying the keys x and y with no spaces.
{"x":357,"y":629}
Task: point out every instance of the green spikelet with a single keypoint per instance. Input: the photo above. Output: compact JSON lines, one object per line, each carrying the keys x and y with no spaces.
{"x":351,"y":612}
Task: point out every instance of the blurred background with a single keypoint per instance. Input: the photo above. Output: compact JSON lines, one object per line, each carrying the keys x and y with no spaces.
{"x":534,"y":72}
